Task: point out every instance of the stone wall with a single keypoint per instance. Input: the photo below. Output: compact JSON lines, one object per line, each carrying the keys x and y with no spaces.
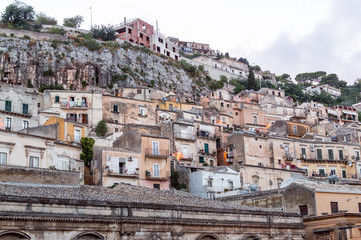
{"x":33,"y":35}
{"x":46,"y":219}
{"x":38,"y":175}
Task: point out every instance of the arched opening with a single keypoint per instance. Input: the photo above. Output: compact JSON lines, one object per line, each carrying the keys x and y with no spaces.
{"x":251,"y":237}
{"x":13,"y":235}
{"x":208,"y":237}
{"x":89,"y":236}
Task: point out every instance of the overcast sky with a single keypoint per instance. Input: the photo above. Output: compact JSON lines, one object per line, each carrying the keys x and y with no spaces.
{"x":280,"y":35}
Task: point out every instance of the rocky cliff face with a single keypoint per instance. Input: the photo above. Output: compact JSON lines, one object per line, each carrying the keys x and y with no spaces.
{"x":75,"y":67}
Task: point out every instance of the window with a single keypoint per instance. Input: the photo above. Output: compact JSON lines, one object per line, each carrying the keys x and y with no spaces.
{"x":115,"y":108}
{"x":222,"y":104}
{"x":255,"y":120}
{"x":334,"y":207}
{"x":237,"y":113}
{"x":295,"y":130}
{"x":340,"y":153}
{"x":343,"y":172}
{"x":223,"y":120}
{"x":303,"y":210}
{"x":206,"y":148}
{"x":201,"y":159}
{"x":141,"y":35}
{"x":330,"y":154}
{"x":8,"y":123}
{"x":230,"y":185}
{"x":3,"y":157}
{"x":156,"y":171}
{"x":160,"y":40}
{"x":139,"y":91}
{"x":211,"y":162}
{"x":171,"y":107}
{"x":155,"y":148}
{"x":303,"y":153}
{"x":210,"y":183}
{"x":357,"y":155}
{"x":321,"y":172}
{"x":348,"y":137}
{"x":333,"y":171}
{"x":63,"y":164}
{"x":25,"y":108}
{"x":33,"y":161}
{"x":228,"y":105}
{"x":57,"y":99}
{"x":359,"y":207}
{"x":8,"y":106}
{"x":147,"y":38}
{"x":143,"y":111}
{"x":319,"y":154}
{"x":306,"y":170}
{"x":77,"y":135}
{"x":156,"y":186}
{"x":25,"y":124}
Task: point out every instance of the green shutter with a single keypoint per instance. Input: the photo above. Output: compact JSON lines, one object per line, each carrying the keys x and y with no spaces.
{"x":57,"y":99}
{"x":8,"y":106}
{"x":319,"y":154}
{"x":206,"y":148}
{"x":340,"y":153}
{"x":201,"y":159}
{"x":25,"y":108}
{"x":330,"y":154}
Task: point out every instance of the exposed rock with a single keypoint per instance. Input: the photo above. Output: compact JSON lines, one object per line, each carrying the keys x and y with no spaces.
{"x":73,"y":66}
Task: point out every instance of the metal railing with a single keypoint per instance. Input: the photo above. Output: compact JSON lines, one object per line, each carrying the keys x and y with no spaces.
{"x":186,"y":136}
{"x":206,"y":135}
{"x":73,"y":104}
{"x":156,"y":152}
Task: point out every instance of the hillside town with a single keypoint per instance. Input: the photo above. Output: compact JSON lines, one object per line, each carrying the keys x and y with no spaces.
{"x":133,"y":160}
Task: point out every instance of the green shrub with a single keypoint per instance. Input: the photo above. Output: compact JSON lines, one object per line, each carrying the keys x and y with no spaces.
{"x":56,"y":30}
{"x":101,"y":128}
{"x":121,"y":77}
{"x":47,"y":87}
{"x":92,"y":45}
{"x":84,"y":84}
{"x":26,"y":37}
{"x":48,"y":73}
{"x":30,"y":85}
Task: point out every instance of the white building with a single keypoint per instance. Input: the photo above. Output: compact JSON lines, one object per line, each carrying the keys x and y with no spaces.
{"x":79,"y":106}
{"x":19,"y":107}
{"x":161,"y":44}
{"x":334,"y":92}
{"x":213,"y":182}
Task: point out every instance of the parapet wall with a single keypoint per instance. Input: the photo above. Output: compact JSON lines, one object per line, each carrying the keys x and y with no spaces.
{"x":33,"y":35}
{"x":38,"y":175}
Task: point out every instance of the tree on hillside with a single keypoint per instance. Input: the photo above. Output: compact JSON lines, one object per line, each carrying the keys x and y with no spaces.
{"x":87,"y":150}
{"x":333,"y":80}
{"x":18,"y":15}
{"x":101,"y":128}
{"x":42,"y":18}
{"x":256,"y":68}
{"x":226,"y":55}
{"x":307,"y":79}
{"x":244,"y":60}
{"x":251,"y":81}
{"x":73,"y":22}
{"x":104,"y":33}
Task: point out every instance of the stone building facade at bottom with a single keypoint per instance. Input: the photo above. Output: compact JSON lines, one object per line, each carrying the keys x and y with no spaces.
{"x":131,"y":212}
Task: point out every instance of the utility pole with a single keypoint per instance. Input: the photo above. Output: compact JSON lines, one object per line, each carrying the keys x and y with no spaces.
{"x":91,"y":18}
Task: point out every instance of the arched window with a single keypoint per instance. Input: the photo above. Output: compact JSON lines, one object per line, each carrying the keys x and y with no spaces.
{"x":251,"y":237}
{"x":89,"y":236}
{"x":208,"y":237}
{"x":13,"y":235}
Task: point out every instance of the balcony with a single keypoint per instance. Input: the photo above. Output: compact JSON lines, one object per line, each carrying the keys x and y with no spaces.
{"x":73,"y":105}
{"x":202,"y":151}
{"x":230,"y":154}
{"x":156,"y":153}
{"x":184,"y":136}
{"x":123,"y":172}
{"x":157,"y":176}
{"x":206,"y":135}
{"x":187,"y":156}
{"x":288,"y":157}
